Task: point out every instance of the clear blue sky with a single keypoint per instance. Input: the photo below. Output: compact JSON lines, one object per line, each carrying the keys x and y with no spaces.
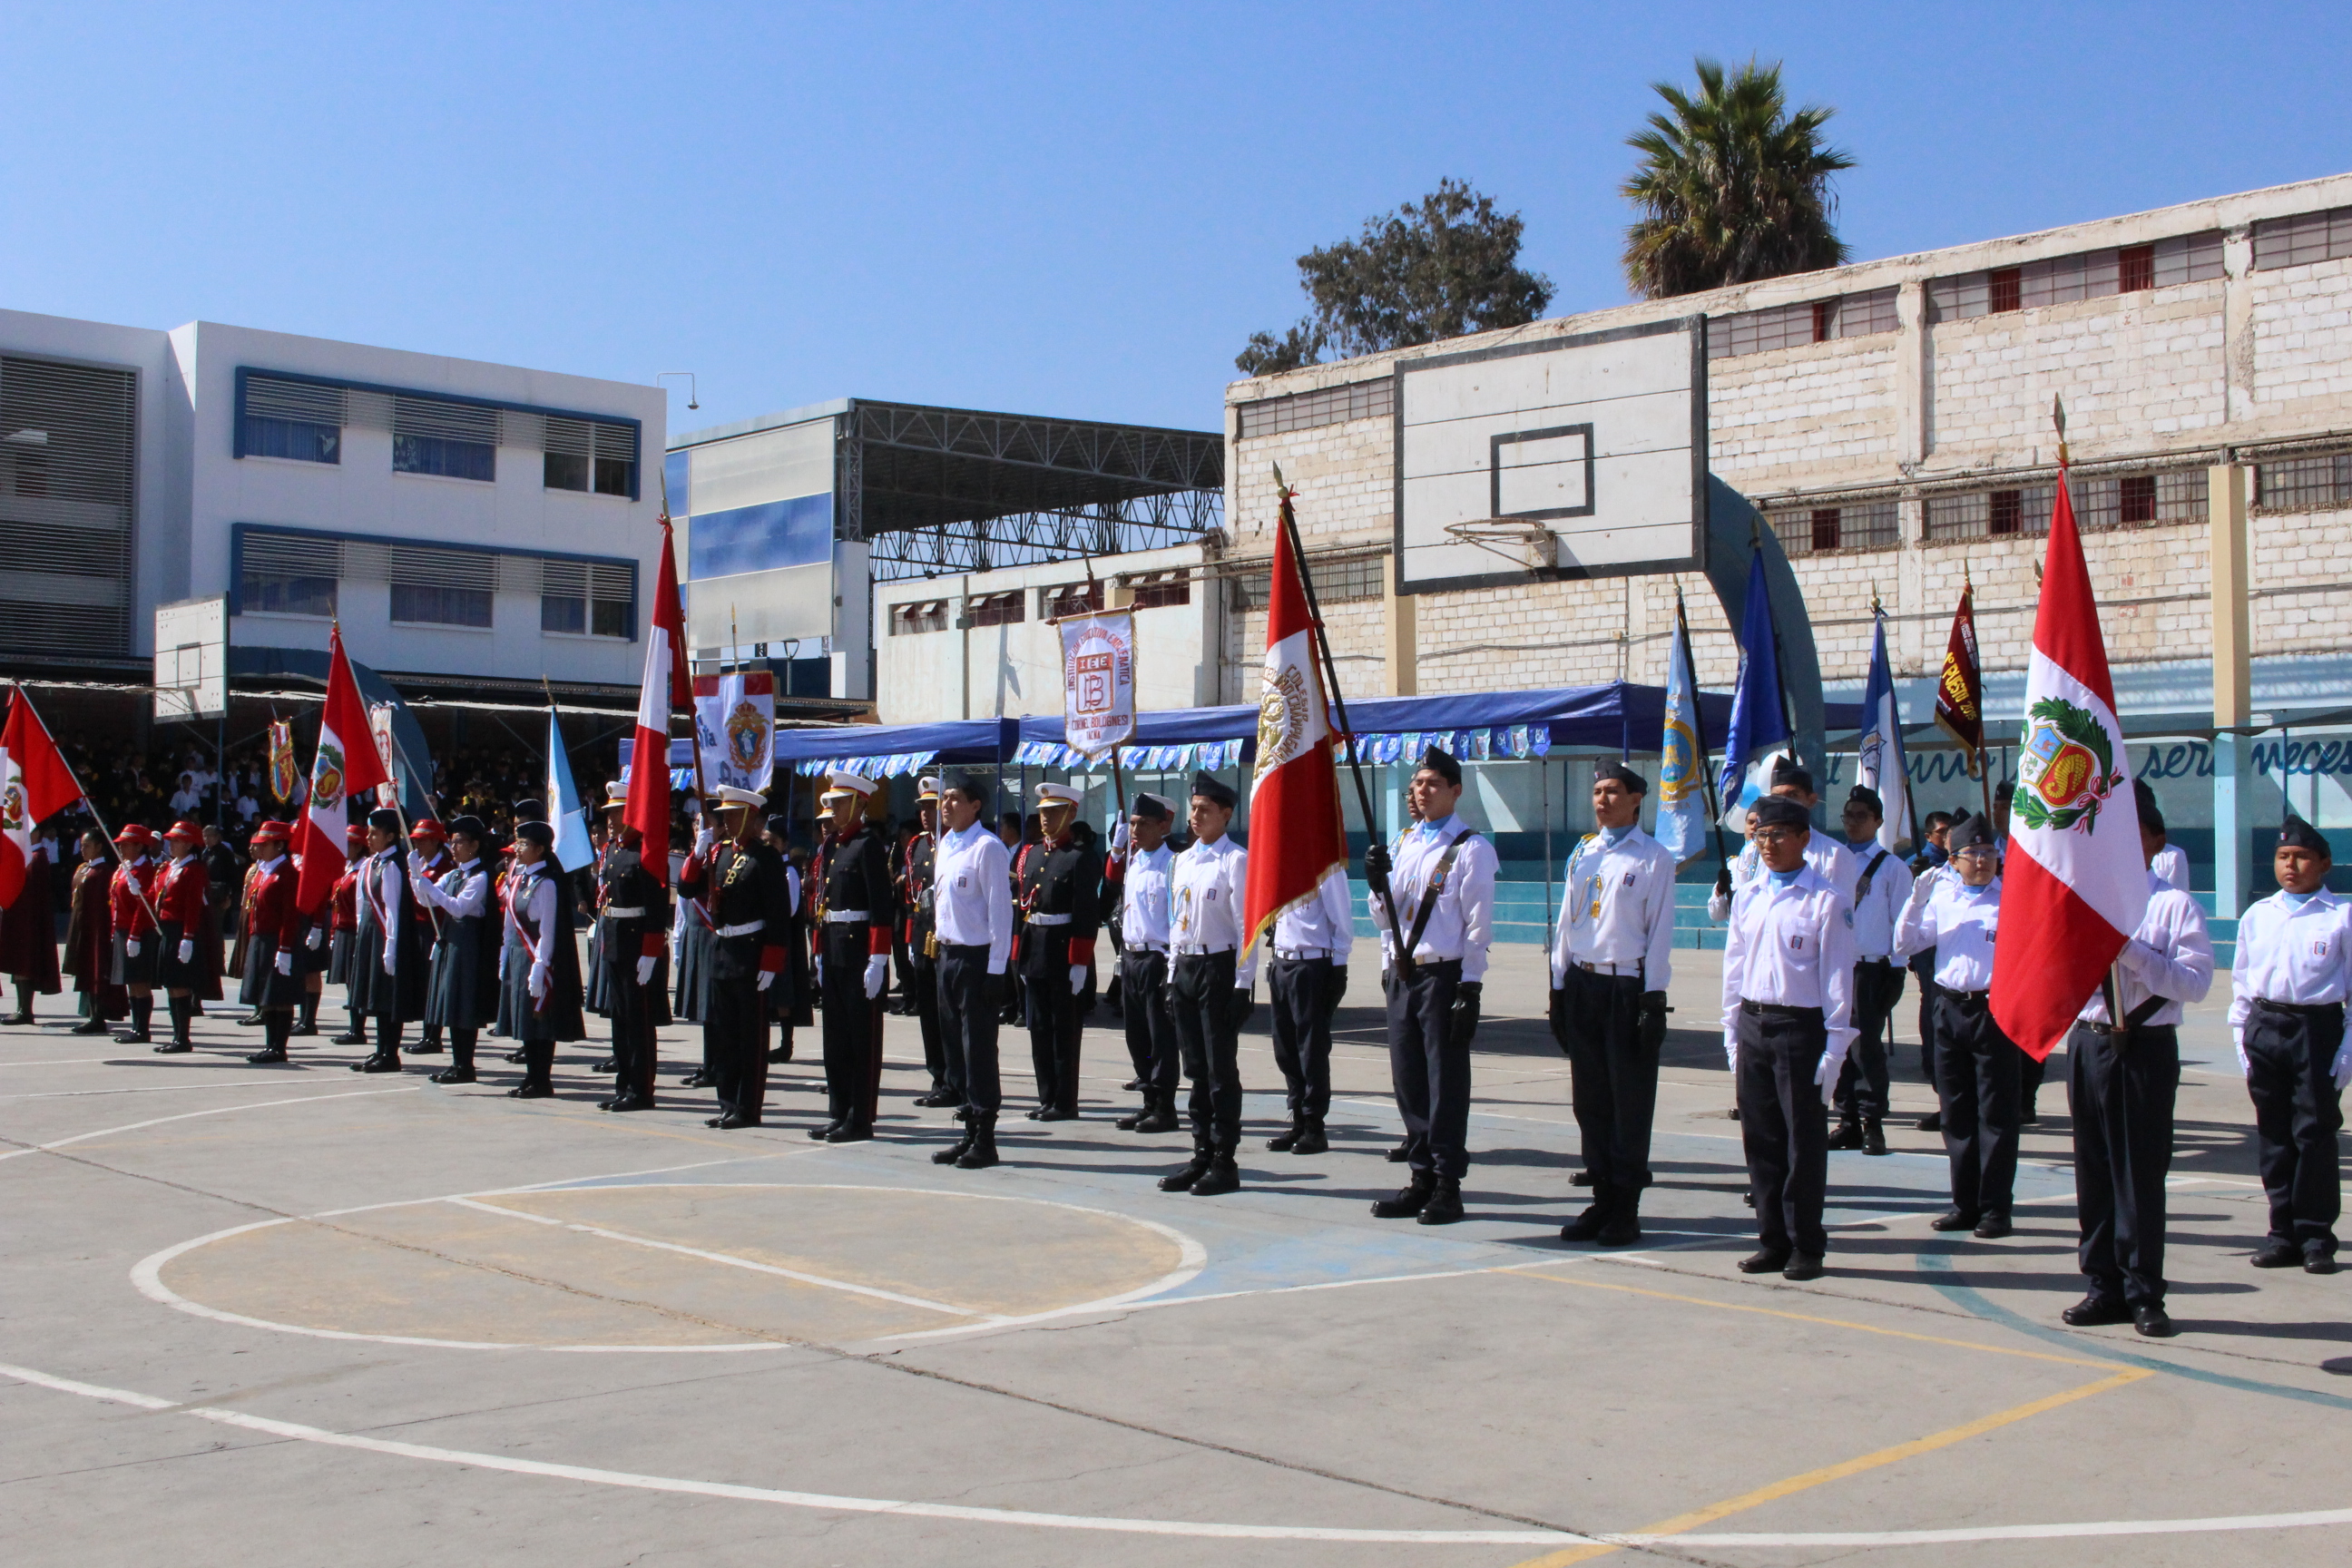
{"x":1077,"y":209}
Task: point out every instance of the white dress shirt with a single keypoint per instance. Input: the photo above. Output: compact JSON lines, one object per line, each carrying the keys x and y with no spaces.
{"x":1204,"y":904}
{"x":1791,"y":946}
{"x":1462,"y":924}
{"x":1876,"y":906}
{"x":2169,"y":956}
{"x":471,"y":900}
{"x":974,"y":888}
{"x":536,"y":897}
{"x":1324,"y":925}
{"x":1143,"y":907}
{"x":2171,"y":863}
{"x":1957,"y":921}
{"x":2292,"y":950}
{"x":381,"y":882}
{"x":1833,"y":860}
{"x":1618,"y":909}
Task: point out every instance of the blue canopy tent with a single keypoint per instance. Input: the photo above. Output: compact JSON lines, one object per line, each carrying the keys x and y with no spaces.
{"x":885,"y":751}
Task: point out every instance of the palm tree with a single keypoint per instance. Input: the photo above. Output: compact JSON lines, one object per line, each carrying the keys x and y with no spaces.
{"x":1731,"y":186}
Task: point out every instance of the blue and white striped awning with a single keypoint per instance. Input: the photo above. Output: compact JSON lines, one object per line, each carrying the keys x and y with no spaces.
{"x":1209,"y":755}
{"x":893,"y":764}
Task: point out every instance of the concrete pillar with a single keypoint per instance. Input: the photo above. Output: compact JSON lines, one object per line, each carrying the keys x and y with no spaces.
{"x":2232,"y":687}
{"x":1914,"y":391}
{"x":1400,"y":641}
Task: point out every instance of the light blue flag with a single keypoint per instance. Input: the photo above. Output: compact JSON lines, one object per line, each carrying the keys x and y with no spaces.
{"x":1879,"y":761}
{"x":1684,"y":812}
{"x":1759,"y":725}
{"x":572,"y":852}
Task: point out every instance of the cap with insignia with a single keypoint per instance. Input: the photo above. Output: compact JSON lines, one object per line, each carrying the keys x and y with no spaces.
{"x":841,"y":782}
{"x":1863,"y":794}
{"x":468,"y":828}
{"x":1058,"y":794}
{"x":1970,"y":832}
{"x":1788,"y":770}
{"x":729,"y":797}
{"x":616,"y":795}
{"x":538,"y":833}
{"x":2294,"y":832}
{"x":927,"y":788}
{"x":1441,"y":764}
{"x":383,"y":819}
{"x":1620,"y":774}
{"x":1779,"y":811}
{"x":1158,"y":807}
{"x":1206,"y":786}
{"x":781,"y":826}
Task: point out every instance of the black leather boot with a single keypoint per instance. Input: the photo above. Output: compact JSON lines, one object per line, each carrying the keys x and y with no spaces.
{"x":1180,"y":1180}
{"x":1135,"y":1119}
{"x":1624,"y":1226}
{"x":953,"y":1151}
{"x":1444,"y":1205}
{"x":274,"y":1026}
{"x":1161,"y":1117}
{"x":1849,"y":1130}
{"x":1222,"y":1176}
{"x":1311,"y":1139}
{"x":1874,"y":1135}
{"x":1588,"y":1226}
{"x":981,"y":1153}
{"x":1283,"y":1143}
{"x":1410,"y":1201}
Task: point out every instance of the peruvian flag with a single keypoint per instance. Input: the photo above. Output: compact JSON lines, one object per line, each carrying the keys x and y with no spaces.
{"x":347,"y":764}
{"x":2075,"y":884}
{"x":35,"y":786}
{"x":1296,"y":836}
{"x":668,"y":687}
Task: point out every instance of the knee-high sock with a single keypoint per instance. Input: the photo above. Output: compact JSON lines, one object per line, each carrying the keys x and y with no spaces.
{"x":182,"y":1010}
{"x":461,"y":1048}
{"x":142,"y":1013}
{"x":387,"y":1036}
{"x":311,"y":1009}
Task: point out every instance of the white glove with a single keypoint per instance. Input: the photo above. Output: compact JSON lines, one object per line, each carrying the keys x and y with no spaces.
{"x":1826,"y":1075}
{"x":1077,"y":978}
{"x":415,"y":867}
{"x":704,"y":842}
{"x":1731,"y":1054}
{"x":767,"y":978}
{"x":2343,"y":1068}
{"x":285,"y":961}
{"x":316,"y":936}
{"x":1119,"y":836}
{"x":816,"y":962}
{"x":188,"y":950}
{"x":391,"y":957}
{"x":877,"y":970}
{"x":2245,"y":1068}
{"x":538,"y":983}
{"x":1559,"y":975}
{"x":645,"y":970}
{"x":131,"y":946}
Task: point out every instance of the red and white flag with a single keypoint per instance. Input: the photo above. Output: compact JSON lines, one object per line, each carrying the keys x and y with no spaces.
{"x":35,"y":786}
{"x":1296,"y":837}
{"x":347,"y":764}
{"x":668,"y":689}
{"x":2074,"y":884}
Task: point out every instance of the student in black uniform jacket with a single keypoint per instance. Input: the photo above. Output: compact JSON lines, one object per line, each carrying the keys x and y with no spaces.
{"x":538,"y":971}
{"x":743,"y":885}
{"x":633,"y":945}
{"x":463,"y":994}
{"x":388,"y":962}
{"x":916,"y":896}
{"x":853,"y":916}
{"x":1060,"y":905}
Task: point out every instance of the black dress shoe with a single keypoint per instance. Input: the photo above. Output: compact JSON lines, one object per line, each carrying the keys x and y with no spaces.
{"x":1284,"y":1142}
{"x":1802,"y":1266}
{"x":714,"y":1121}
{"x":610,"y":1064}
{"x":1410,"y":1200}
{"x":1582,"y":1179}
{"x":733,"y":1119}
{"x":266,"y":1055}
{"x":173,"y":1049}
{"x":425,"y":1049}
{"x":532,"y":1091}
{"x":1931,"y":1122}
{"x":1038,"y":1113}
{"x":1624,"y":1227}
{"x":2096,"y":1311}
{"x":384,"y":1063}
{"x":629,"y":1102}
{"x":518,"y":1057}
{"x":2319,"y":1263}
{"x":1586,"y":1226}
{"x":2277,"y":1255}
{"x":93,"y":1026}
{"x":1180,"y":1179}
{"x":348,"y":1038}
{"x":1222,"y":1176}
{"x":695,"y":1080}
{"x":1444,"y":1205}
{"x":822,"y":1135}
{"x":302,"y":1031}
{"x":1126,"y":1124}
{"x":1163,"y":1119}
{"x":132,"y":1037}
{"x":850,"y":1135}
{"x":1992,"y":1227}
{"x":1400,"y":1153}
{"x":1058,"y":1114}
{"x":1766,"y":1261}
{"x":2151,"y":1324}
{"x":1953,"y":1219}
{"x":250,"y":1021}
{"x":1132,"y":1086}
{"x":1847,"y":1136}
{"x":451,"y":1075}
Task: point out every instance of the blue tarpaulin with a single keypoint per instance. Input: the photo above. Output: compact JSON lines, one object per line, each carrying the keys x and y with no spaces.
{"x":961,"y":741}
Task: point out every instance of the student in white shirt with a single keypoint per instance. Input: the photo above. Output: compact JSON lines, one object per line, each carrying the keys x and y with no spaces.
{"x":1209,"y":985}
{"x":1142,"y":867}
{"x":1304,"y":978}
{"x":2288,"y":985}
{"x":972,"y":918}
{"x":1611,"y":961}
{"x":1880,"y":890}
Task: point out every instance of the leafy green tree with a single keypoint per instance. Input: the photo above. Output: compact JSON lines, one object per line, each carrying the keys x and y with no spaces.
{"x":1438,"y":267}
{"x":1731,"y":186}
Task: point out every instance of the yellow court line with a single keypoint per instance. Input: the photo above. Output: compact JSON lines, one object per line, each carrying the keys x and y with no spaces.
{"x":1681,"y":1522}
{"x":1528,"y":1271}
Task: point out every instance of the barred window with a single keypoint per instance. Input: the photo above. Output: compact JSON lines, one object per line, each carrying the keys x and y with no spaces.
{"x":996,"y":609}
{"x":1159,"y":590}
{"x":1980,"y":514}
{"x":2300,"y":483}
{"x":1071,"y":599}
{"x":2305,"y":237}
{"x":1814,"y":321}
{"x":1335,"y":582}
{"x":1311,"y":410}
{"x":920,"y":616}
{"x":1857,"y":525}
{"x":2086,"y":275}
{"x":2101,"y":501}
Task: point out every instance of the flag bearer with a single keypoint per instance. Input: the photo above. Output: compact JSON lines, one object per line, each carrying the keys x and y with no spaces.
{"x":853,"y":914}
{"x":1061,"y":911}
{"x":1954,"y":915}
{"x":917,"y":893}
{"x":1880,"y":891}
{"x":270,"y":935}
{"x":539,"y":969}
{"x":342,"y":914}
{"x":973,"y":918}
{"x":1142,"y":867}
{"x":2287,"y":986}
{"x":1611,"y":961}
{"x":2125,"y":1080}
{"x":462,"y":992}
{"x":1443,"y":885}
{"x":749,"y":900}
{"x":1208,"y":982}
{"x":1788,"y":1020}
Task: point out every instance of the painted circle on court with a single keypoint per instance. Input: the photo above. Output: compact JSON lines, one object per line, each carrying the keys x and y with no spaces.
{"x":671,"y":1266}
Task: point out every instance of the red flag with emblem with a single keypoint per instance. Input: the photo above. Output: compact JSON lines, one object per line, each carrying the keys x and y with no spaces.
{"x":35,"y":786}
{"x":1296,"y":836}
{"x":668,"y":687}
{"x":347,"y":762}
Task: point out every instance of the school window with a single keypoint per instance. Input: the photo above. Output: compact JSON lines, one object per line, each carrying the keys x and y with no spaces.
{"x":2004,"y":287}
{"x":434,"y":604}
{"x":277,"y":593}
{"x":589,"y":455}
{"x":1157,"y":590}
{"x":2299,"y":483}
{"x":1857,"y":525}
{"x":452,"y":440}
{"x":2135,"y":269}
{"x":586,"y":598}
{"x":291,"y":419}
{"x":1071,"y":599}
{"x":921,"y":616}
{"x":996,"y":609}
{"x":2136,"y":498}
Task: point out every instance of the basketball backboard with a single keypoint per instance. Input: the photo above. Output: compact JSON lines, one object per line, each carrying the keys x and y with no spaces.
{"x":1573,"y":457}
{"x":192,"y":659}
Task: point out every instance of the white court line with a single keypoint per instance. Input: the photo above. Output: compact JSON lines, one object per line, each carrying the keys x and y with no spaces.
{"x":65,"y":1061}
{"x":1185,"y":1528}
{"x":185,"y":1115}
{"x":240,"y":1081}
{"x":731,"y":1261}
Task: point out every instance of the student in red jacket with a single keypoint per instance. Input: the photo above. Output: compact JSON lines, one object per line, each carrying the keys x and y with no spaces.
{"x":272,"y":984}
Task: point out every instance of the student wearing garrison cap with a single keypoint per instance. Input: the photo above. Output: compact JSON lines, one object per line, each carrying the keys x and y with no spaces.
{"x":2124,"y":1079}
{"x":633,"y":952}
{"x":1210,"y":975}
{"x":1880,"y":888}
{"x":918,"y":894}
{"x":1059,"y":895}
{"x":855,"y":911}
{"x":270,"y":938}
{"x":1833,"y":861}
{"x":2288,"y":985}
{"x":1443,"y":885}
{"x":1143,"y":868}
{"x":1788,"y":1022}
{"x":463,"y":994}
{"x":973,"y":918}
{"x":538,"y":967}
{"x":428,"y":857}
{"x":1954,"y":915}
{"x":1611,"y":961}
{"x":388,"y":952}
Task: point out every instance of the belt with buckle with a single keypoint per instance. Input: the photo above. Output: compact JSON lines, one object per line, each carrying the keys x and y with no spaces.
{"x":2300,"y":1009}
{"x":1628,"y":970}
{"x":1049,"y":919}
{"x":1296,"y":953}
{"x":847,"y":918}
{"x":1776,"y":1010}
{"x":635,"y":913}
{"x":1195,"y":949}
{"x":1130,"y":945}
{"x":1972,"y":998}
{"x":749,"y":928}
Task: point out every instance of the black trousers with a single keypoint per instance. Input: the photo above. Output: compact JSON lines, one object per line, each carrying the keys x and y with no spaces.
{"x":1152,"y":1044}
{"x":1923,"y":965}
{"x":852,"y":1029}
{"x":2298,"y":1113}
{"x":923,"y":991}
{"x":1300,"y":991}
{"x":1977,"y":1070}
{"x":2123,"y":1088}
{"x":1864,"y":1082}
{"x":735,"y":1045}
{"x":1201,"y":996}
{"x":968,"y":1024}
{"x":1054,"y":1034}
{"x":1614,"y":1082}
{"x":1784,"y":1125}
{"x":633,"y":1025}
{"x":1430,"y":1072}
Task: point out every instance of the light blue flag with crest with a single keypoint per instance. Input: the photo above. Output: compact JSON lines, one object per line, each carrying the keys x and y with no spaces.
{"x":1684,"y":810}
{"x":573,"y":851}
